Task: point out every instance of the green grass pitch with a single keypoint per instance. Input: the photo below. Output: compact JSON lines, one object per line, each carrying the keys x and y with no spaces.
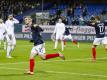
{"x":77,"y":66}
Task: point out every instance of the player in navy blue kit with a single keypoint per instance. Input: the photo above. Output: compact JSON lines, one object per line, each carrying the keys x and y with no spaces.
{"x":39,"y":47}
{"x":100,"y":35}
{"x":67,"y":35}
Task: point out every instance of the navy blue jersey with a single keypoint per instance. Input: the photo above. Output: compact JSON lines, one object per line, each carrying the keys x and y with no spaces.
{"x":67,"y":30}
{"x":100,"y":29}
{"x":37,"y":38}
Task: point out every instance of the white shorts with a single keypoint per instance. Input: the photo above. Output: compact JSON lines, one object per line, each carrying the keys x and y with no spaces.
{"x":59,"y":36}
{"x":11,"y":40}
{"x":98,"y":41}
{"x":68,"y":37}
{"x":39,"y":49}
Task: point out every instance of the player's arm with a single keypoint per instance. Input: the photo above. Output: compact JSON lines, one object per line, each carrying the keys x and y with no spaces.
{"x":40,"y":29}
{"x":15,"y":21}
{"x":90,"y":23}
{"x":53,"y":34}
{"x":63,"y":29}
{"x":105,"y":22}
{"x":5,"y":28}
{"x":55,"y":29}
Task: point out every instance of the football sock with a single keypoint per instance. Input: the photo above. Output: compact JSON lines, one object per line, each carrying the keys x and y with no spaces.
{"x":56,"y":43}
{"x":4,"y":45}
{"x":75,"y":41}
{"x":48,"y":56}
{"x":32,"y":63}
{"x":64,"y":42}
{"x":8,"y":50}
{"x":62,"y":45}
{"x":94,"y":53}
{"x":13,"y":46}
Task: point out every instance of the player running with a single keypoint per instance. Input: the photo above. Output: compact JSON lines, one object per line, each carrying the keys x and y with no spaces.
{"x":59,"y":33}
{"x":100,"y":35}
{"x":10,"y":31}
{"x":39,"y":48}
{"x":67,"y":36}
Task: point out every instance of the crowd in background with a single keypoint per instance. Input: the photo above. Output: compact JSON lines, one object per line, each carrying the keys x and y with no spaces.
{"x":67,"y":14}
{"x":16,"y":6}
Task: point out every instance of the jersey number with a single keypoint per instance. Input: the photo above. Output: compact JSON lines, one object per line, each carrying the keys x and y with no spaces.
{"x":101,"y":28}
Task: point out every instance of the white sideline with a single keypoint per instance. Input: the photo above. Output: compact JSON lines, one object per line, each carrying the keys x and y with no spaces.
{"x":58,"y":72}
{"x":72,"y":60}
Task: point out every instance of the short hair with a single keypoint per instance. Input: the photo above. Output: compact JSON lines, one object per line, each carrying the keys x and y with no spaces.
{"x":98,"y":18}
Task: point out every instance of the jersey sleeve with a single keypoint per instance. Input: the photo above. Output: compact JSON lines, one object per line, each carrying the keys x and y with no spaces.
{"x":105,"y":22}
{"x":55,"y":29}
{"x":15,"y":21}
{"x":40,"y":29}
{"x":5,"y":28}
{"x":90,"y":24}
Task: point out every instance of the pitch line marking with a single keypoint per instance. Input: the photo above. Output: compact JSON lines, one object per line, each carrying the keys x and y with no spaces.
{"x":85,"y":59}
{"x":58,"y":72}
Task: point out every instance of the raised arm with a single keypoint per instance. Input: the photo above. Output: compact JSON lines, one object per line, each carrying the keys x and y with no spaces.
{"x":15,"y":21}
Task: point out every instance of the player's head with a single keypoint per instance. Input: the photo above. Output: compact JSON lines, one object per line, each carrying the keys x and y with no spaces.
{"x":96,"y":19}
{"x":1,"y":21}
{"x":10,"y":16}
{"x":59,"y":20}
{"x":28,"y":20}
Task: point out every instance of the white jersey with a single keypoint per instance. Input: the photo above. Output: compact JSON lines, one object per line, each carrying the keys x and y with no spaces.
{"x":2,"y":30}
{"x":59,"y":28}
{"x":10,"y":26}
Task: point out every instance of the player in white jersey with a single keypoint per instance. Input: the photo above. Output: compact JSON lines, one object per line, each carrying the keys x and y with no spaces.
{"x":59,"y":32}
{"x":3,"y":34}
{"x":10,"y":31}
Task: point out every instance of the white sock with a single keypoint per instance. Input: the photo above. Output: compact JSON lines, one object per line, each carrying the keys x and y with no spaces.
{"x":8,"y":50}
{"x":56,"y":44}
{"x":62,"y":45}
{"x":4,"y":45}
{"x":13,"y":46}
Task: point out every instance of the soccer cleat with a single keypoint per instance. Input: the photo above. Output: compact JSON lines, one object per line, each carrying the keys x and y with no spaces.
{"x":9,"y":57}
{"x":61,"y":56}
{"x":29,"y":73}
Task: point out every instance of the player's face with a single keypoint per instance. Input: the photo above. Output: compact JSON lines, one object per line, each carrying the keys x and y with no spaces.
{"x":28,"y":20}
{"x":10,"y":17}
{"x":60,"y":21}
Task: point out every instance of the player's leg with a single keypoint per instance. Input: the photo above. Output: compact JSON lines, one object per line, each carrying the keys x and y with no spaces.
{"x":62,"y":43}
{"x":5,"y":42}
{"x":1,"y":39}
{"x":95,"y":44}
{"x":44,"y":56}
{"x":94,"y":52}
{"x":13,"y":42}
{"x":32,"y":61}
{"x":56,"y":41}
{"x":104,"y":42}
{"x":9,"y":49}
{"x":74,"y":41}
